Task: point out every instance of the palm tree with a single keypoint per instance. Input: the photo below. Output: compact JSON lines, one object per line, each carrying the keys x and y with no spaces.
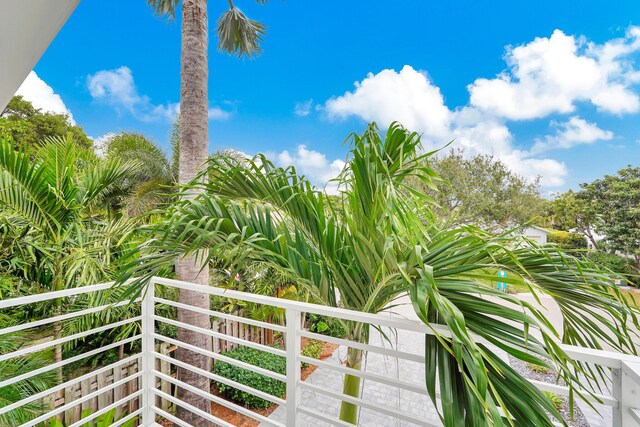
{"x":52,"y":200}
{"x":379,"y":240}
{"x":149,"y":187}
{"x":236,"y":35}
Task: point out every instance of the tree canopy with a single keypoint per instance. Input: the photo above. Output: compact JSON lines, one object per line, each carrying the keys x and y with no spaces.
{"x":483,"y":190}
{"x":27,"y":126}
{"x":616,"y":198}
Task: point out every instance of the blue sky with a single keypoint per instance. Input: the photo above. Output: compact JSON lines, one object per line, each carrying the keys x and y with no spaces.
{"x":549,"y":88}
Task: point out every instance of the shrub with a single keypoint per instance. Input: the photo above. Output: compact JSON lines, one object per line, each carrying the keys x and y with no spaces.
{"x":260,"y":382}
{"x":616,"y":263}
{"x":313,"y":349}
{"x":566,"y":240}
{"x":325,"y":325}
{"x":538,"y":369}
{"x":556,"y":400}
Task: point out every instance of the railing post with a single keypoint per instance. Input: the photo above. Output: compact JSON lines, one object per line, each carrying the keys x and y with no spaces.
{"x":148,"y":365}
{"x":629,"y":402}
{"x":616,"y":392}
{"x":293,"y":318}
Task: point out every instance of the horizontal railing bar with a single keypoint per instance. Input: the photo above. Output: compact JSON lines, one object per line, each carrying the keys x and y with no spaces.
{"x":85,"y":398}
{"x":127,"y":418}
{"x":44,"y":345}
{"x":168,"y":416}
{"x":62,"y":317}
{"x":47,"y":296}
{"x":365,"y":404}
{"x":218,"y":400}
{"x":404,"y":385}
{"x":218,"y":356}
{"x":106,"y":409}
{"x":357,"y":316}
{"x":635,"y":414}
{"x":319,"y":415}
{"x":366,"y":347}
{"x":221,"y":336}
{"x":218,"y":378}
{"x":256,"y":323}
{"x":67,"y":361}
{"x":66,"y":384}
{"x":564,"y":391}
{"x":207,"y":416}
{"x":609,"y":359}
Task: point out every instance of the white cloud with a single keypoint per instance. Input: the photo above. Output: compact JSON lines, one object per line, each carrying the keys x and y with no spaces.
{"x":314,"y":165}
{"x":117,"y":89}
{"x":217,"y":113}
{"x":406,"y":96}
{"x":101,"y":143}
{"x":477,"y":133}
{"x":575,"y":131}
{"x":42,"y":96}
{"x":411,"y":99}
{"x":303,"y":109}
{"x":550,"y":75}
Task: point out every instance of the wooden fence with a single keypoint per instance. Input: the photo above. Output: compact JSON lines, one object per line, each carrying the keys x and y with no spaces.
{"x":106,"y":398}
{"x":239,"y":330}
{"x":77,"y":391}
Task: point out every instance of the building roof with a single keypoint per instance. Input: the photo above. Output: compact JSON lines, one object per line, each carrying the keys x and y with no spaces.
{"x":26,"y":30}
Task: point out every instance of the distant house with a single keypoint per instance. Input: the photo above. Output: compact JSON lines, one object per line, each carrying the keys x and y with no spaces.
{"x":537,"y":234}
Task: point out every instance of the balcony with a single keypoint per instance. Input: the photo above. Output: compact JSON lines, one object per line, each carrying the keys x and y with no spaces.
{"x":140,"y":388}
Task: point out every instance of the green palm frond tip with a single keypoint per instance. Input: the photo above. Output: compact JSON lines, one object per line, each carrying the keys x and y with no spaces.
{"x":239,"y":35}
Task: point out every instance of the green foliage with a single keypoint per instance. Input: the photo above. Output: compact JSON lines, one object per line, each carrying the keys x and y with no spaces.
{"x":325,"y":325}
{"x":313,"y":349}
{"x":255,"y":357}
{"x":20,"y":366}
{"x":538,"y":369}
{"x":482,"y":190}
{"x":385,"y":242}
{"x":26,"y":127}
{"x":566,"y":240}
{"x":147,"y":187}
{"x":105,"y":420}
{"x":556,"y":400}
{"x":619,"y":265}
{"x":616,"y":198}
{"x":572,"y":211}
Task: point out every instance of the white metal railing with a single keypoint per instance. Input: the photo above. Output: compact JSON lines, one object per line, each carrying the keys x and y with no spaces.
{"x":298,"y":408}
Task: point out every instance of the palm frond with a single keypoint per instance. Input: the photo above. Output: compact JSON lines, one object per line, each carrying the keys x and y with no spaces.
{"x":239,"y":35}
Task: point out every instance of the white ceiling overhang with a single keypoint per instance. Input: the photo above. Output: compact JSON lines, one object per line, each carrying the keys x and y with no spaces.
{"x":27,"y":27}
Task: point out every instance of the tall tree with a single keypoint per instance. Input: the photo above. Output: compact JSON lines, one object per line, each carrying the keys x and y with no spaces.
{"x":571,"y":210}
{"x":236,"y":35}
{"x":482,"y":189}
{"x":617,"y":199}
{"x":384,"y":242}
{"x":28,"y":127}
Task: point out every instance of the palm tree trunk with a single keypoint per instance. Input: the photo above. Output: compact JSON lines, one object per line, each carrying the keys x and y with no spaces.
{"x":194,"y":146}
{"x":352,"y":383}
{"x":351,"y":386}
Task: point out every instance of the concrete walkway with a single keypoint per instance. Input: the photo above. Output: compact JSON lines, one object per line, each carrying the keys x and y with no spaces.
{"x":403,"y":401}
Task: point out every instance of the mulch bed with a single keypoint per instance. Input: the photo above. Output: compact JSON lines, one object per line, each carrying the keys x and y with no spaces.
{"x":551,"y":377}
